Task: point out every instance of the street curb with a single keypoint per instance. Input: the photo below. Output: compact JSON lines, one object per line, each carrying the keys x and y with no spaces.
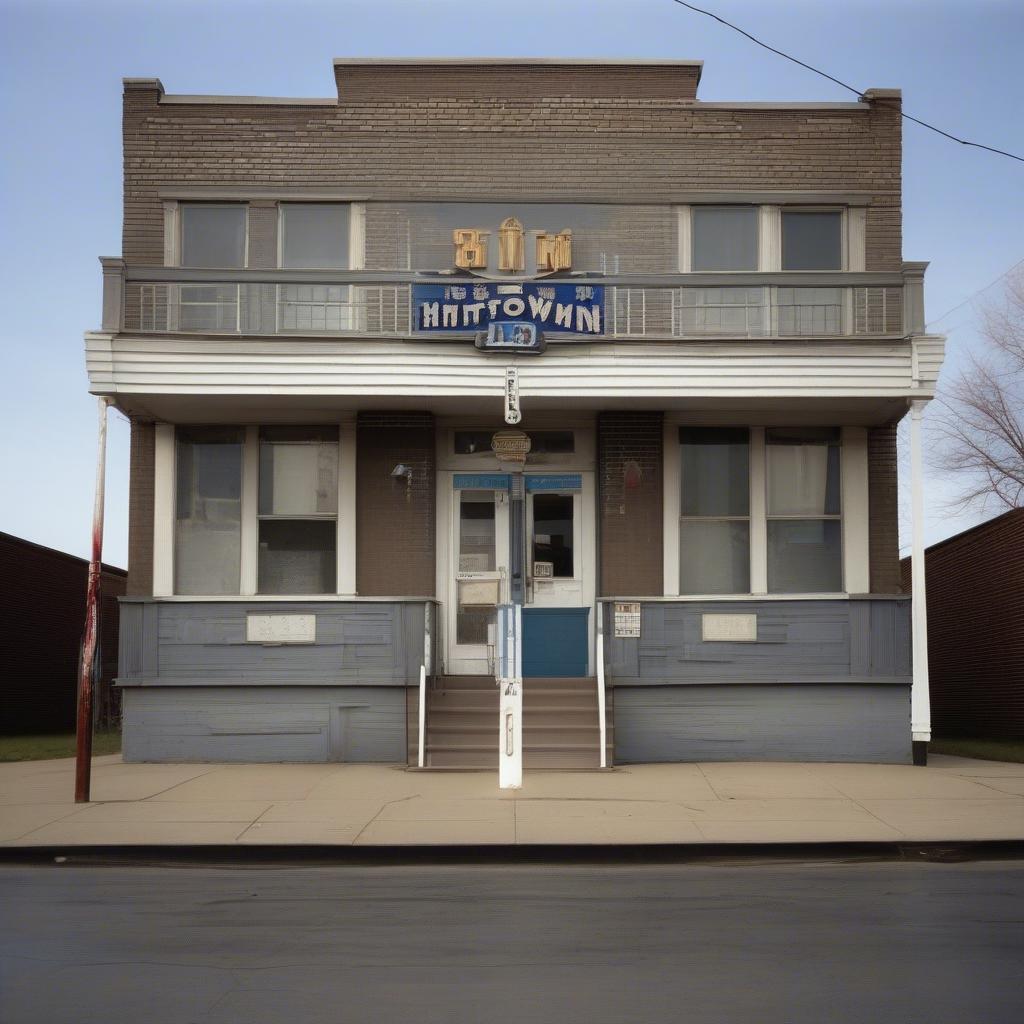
{"x":958,"y":851}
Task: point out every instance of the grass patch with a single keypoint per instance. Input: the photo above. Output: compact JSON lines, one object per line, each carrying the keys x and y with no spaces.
{"x":985,"y":750}
{"x":43,"y":748}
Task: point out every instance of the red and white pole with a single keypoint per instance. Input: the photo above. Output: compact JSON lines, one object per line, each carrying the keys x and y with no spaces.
{"x":90,"y":636}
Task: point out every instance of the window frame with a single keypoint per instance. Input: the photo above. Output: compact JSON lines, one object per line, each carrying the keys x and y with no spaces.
{"x":297,"y":517}
{"x":853,"y":514}
{"x":719,"y":518}
{"x":756,"y":213}
{"x":775,"y":517}
{"x":349,"y":319}
{"x":844,"y":236}
{"x":165,"y":506}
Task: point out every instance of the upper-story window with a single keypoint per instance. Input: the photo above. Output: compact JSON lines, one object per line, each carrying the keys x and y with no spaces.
{"x":315,"y":236}
{"x":724,"y":238}
{"x":213,"y":234}
{"x":812,"y":240}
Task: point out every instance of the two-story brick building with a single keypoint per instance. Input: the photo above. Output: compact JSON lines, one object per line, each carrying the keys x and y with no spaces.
{"x":338,"y":323}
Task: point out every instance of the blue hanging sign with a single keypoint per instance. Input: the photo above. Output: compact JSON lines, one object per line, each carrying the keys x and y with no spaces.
{"x":554,"y":308}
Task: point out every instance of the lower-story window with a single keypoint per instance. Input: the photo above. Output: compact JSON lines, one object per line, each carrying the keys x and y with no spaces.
{"x":208,"y":510}
{"x":298,"y":510}
{"x":256,"y":511}
{"x":714,"y":524}
{"x":804,"y":526}
{"x":787,"y":533}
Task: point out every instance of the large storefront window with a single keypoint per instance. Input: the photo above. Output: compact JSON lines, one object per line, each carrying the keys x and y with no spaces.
{"x":714,"y":525}
{"x":208,"y":519}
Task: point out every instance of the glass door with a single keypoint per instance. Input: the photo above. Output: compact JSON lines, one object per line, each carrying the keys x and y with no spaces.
{"x":479,"y":577}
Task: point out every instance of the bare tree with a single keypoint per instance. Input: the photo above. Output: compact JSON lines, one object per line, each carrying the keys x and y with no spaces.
{"x":980,"y":422}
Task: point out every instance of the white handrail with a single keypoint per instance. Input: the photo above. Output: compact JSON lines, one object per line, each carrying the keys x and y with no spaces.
{"x":423,"y":717}
{"x":601,"y":719}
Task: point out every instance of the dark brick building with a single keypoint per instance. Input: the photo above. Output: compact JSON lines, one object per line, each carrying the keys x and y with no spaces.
{"x":42,"y":615}
{"x":976,"y":629}
{"x":333,"y":320}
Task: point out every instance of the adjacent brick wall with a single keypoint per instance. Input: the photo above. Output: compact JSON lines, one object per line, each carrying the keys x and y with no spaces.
{"x":629,"y":474}
{"x":395,"y":521}
{"x":42,"y":616}
{"x":456,"y":134}
{"x":883,"y":511}
{"x":975,"y":586}
{"x":140,"y":509}
{"x":362,"y":82}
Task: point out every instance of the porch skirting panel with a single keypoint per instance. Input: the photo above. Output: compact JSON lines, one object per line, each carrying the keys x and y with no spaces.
{"x":264,"y":724}
{"x":805,"y":722}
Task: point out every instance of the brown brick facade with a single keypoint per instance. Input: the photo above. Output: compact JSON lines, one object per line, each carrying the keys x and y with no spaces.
{"x":361,"y":82}
{"x":975,"y":587}
{"x":883,"y":511}
{"x":140,"y":509}
{"x":630,"y":496}
{"x":528,"y":132}
{"x":395,"y":517}
{"x":41,"y":624}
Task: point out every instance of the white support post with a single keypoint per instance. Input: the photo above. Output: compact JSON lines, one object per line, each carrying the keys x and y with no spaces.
{"x":510,"y":681}
{"x":920,"y":705}
{"x":163,"y":510}
{"x":601,"y":708}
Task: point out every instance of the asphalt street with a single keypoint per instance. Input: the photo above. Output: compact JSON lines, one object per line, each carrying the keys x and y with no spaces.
{"x":821,"y":942}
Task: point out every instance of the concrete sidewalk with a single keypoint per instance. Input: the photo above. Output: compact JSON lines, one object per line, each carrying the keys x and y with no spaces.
{"x":954,"y":799}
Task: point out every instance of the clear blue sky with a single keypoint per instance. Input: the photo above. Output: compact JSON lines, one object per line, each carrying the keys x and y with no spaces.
{"x":959,"y":65}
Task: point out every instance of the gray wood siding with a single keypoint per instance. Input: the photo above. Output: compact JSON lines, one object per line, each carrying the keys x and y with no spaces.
{"x":232,"y":724}
{"x":809,"y":641}
{"x":373,"y":643}
{"x":762,"y":723}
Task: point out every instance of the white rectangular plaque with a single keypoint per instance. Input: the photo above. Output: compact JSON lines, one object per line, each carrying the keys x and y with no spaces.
{"x":280,"y":629}
{"x":627,"y":618}
{"x":732,"y":628}
{"x":478,"y":593}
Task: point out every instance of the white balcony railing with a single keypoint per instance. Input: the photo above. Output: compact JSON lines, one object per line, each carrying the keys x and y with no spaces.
{"x":670,"y":306}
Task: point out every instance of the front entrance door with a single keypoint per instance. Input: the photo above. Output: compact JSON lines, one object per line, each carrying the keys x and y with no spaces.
{"x":479,"y":577}
{"x":558,"y":625}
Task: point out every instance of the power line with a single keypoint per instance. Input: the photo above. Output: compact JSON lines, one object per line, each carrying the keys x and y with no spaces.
{"x":858,"y":92}
{"x":971,"y":298}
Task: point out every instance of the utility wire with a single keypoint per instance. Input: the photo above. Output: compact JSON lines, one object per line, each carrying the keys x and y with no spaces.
{"x":858,"y":92}
{"x":971,"y":298}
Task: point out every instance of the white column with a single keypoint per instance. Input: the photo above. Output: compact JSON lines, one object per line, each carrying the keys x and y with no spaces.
{"x":346,"y":573}
{"x":856,"y":513}
{"x":920,"y":705}
{"x":163,"y":510}
{"x":758,"y":513}
{"x":250,"y":529}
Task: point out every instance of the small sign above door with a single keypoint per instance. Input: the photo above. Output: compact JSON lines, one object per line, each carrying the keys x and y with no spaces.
{"x":555,"y":482}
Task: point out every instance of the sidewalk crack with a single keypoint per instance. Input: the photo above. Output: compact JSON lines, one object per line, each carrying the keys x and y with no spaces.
{"x":383,"y":807}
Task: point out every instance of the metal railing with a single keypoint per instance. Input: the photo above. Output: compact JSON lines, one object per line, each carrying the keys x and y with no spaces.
{"x":379,"y":304}
{"x":426,"y":670}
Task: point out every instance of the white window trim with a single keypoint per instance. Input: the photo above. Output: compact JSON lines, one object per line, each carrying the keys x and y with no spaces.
{"x":164,"y":513}
{"x":853,"y":245}
{"x":854,"y":513}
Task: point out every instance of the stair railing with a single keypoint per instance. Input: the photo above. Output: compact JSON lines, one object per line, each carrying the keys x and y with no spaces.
{"x":426,"y":668}
{"x":601,"y":716}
